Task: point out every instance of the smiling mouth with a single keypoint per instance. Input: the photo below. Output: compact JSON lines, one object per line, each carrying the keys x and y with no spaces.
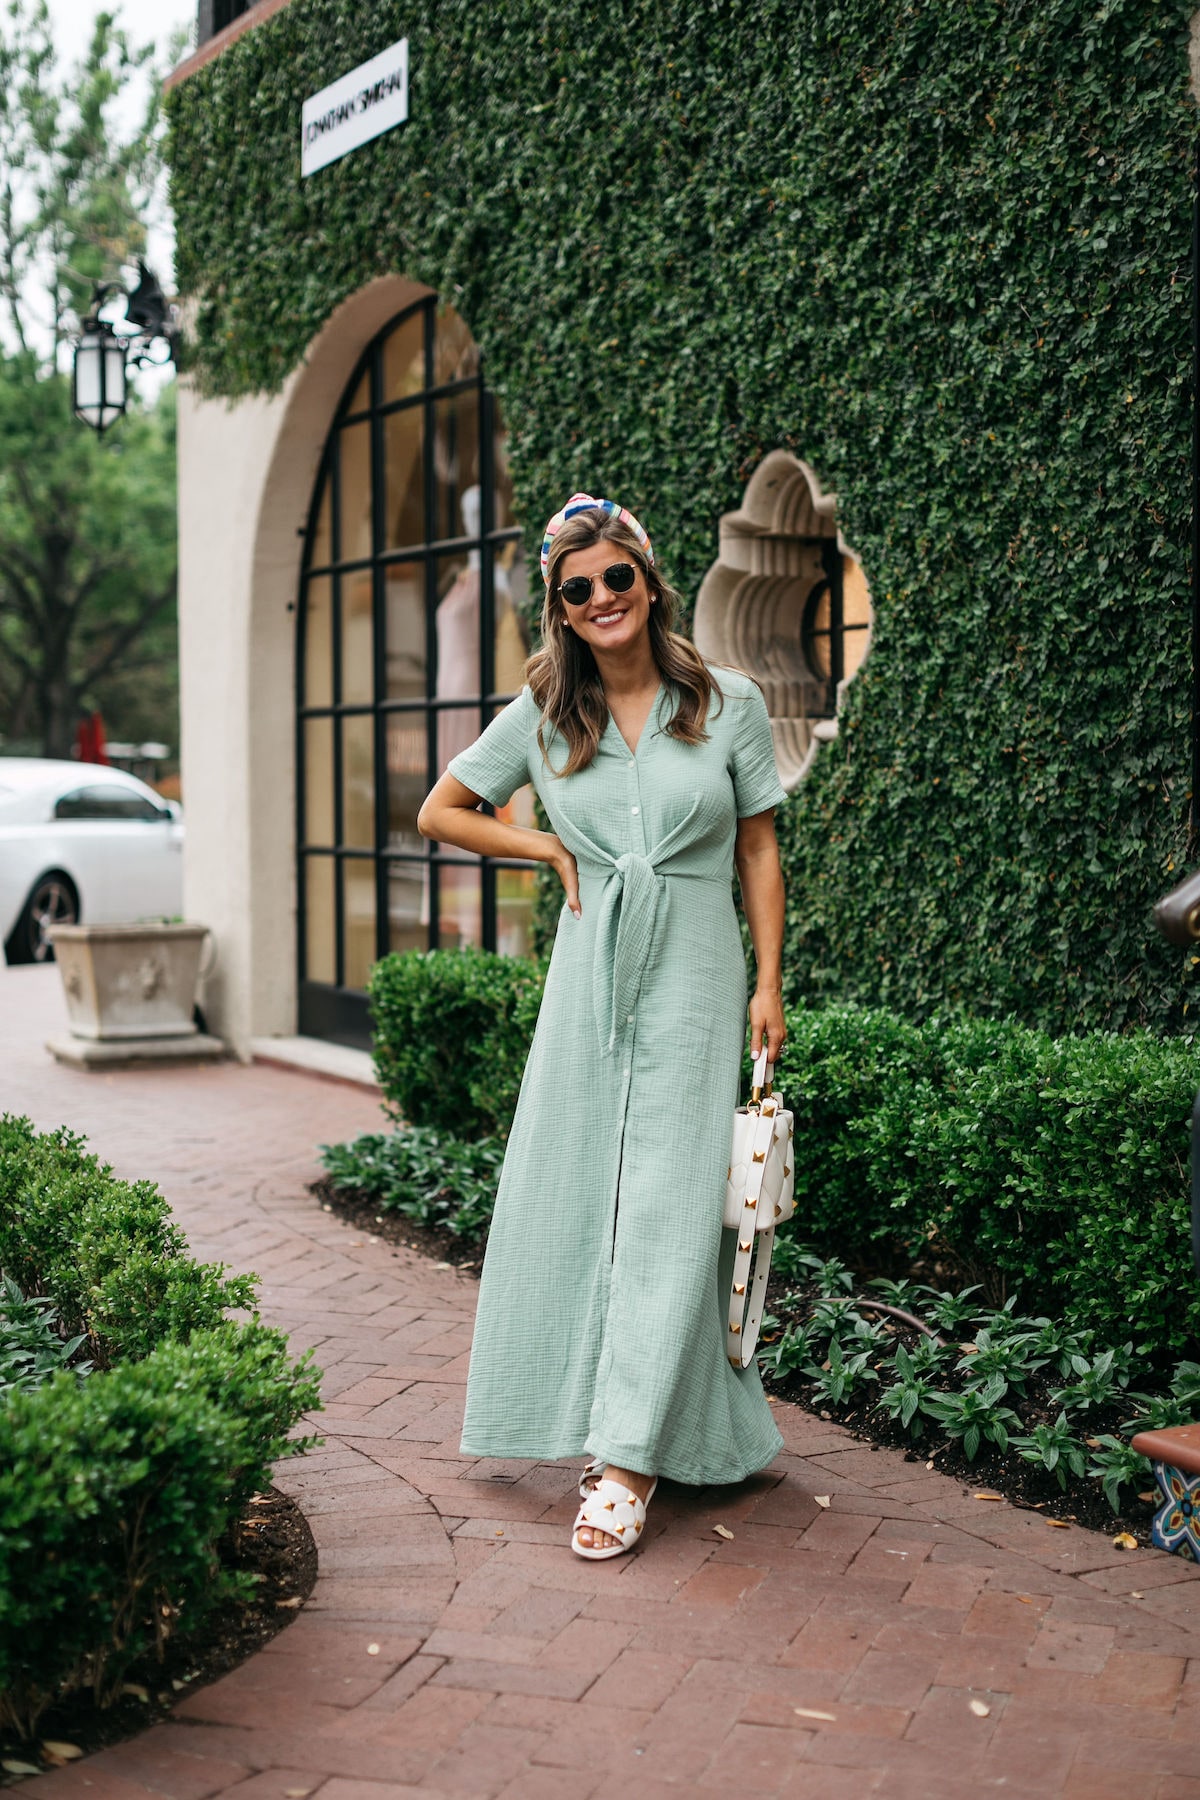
{"x":608,"y":618}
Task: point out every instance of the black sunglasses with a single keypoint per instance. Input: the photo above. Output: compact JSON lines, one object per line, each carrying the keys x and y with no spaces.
{"x":618,"y":578}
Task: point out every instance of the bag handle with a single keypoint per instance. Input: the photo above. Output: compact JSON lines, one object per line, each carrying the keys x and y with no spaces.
{"x":748,"y":1291}
{"x":763,"y":1078}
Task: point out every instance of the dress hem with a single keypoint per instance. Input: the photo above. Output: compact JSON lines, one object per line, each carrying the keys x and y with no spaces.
{"x":668,"y":1470}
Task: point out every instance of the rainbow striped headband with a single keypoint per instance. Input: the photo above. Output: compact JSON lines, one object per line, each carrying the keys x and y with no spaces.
{"x":582,"y":503}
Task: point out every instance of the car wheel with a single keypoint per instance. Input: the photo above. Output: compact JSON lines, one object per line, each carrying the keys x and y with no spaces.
{"x":52,"y":901}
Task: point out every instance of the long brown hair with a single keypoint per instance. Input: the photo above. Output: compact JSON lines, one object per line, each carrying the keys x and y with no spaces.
{"x":563,"y":676}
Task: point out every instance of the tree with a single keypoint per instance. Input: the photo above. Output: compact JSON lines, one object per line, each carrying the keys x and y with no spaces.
{"x":87,"y":524}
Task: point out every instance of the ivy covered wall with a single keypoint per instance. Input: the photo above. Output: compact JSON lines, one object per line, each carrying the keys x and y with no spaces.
{"x":941,"y":251}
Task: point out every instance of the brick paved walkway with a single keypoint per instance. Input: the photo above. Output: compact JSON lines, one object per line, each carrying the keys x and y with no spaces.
{"x":905,"y":1640}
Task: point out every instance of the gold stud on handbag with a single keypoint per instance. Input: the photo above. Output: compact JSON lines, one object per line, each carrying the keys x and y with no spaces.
{"x":758,"y":1168}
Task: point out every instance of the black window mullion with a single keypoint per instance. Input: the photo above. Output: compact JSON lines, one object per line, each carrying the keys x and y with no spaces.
{"x":487,"y":633}
{"x":335,"y":529}
{"x":379,"y":646}
{"x":431,"y":598}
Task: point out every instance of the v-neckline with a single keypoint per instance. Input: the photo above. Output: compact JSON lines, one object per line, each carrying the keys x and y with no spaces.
{"x":631,"y":750}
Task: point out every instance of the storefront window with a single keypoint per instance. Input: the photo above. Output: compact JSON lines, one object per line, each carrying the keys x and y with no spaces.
{"x":411,"y":637}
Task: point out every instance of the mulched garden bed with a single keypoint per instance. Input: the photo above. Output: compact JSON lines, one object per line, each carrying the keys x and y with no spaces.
{"x":270,"y":1540}
{"x":992,"y":1472}
{"x":1019,"y":1482}
{"x":444,"y":1247}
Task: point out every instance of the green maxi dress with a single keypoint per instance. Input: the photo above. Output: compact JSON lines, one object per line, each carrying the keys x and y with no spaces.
{"x":603,"y":1298}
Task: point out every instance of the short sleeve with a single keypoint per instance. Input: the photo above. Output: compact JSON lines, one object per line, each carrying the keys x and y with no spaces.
{"x":497,"y":763}
{"x":756,"y":783}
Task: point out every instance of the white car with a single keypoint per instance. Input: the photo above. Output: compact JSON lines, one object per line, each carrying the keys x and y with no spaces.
{"x":82,"y":842}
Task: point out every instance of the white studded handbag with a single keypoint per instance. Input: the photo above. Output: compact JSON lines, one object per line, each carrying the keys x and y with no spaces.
{"x":759,"y":1195}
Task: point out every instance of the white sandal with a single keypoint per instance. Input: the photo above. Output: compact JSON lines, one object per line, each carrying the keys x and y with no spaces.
{"x":593,"y":1475}
{"x":616,"y":1510}
{"x":593,"y":1472}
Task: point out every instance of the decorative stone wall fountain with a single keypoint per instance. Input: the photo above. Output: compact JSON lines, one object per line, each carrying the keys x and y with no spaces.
{"x":787,"y":601}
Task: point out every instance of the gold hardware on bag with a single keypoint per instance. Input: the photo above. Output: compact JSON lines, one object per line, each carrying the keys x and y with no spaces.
{"x":759,"y":1156}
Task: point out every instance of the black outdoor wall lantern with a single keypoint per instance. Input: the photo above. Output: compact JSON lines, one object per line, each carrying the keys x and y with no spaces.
{"x":99,"y":389}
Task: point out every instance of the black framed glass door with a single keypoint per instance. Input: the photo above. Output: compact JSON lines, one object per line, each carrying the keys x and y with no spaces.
{"x":411,"y":636}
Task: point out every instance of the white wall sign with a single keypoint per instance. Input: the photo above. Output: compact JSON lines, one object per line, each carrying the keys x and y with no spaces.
{"x":355,"y":108}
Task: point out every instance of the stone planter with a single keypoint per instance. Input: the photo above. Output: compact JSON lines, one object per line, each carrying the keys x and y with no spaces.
{"x":131,"y":993}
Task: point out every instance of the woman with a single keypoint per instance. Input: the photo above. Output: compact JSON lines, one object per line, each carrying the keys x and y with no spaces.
{"x":601,"y":1321}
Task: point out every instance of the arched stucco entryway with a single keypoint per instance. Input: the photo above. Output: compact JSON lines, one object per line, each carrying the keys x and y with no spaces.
{"x":246,"y":476}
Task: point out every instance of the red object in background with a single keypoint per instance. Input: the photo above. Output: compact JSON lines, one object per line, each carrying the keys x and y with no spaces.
{"x":89,"y":739}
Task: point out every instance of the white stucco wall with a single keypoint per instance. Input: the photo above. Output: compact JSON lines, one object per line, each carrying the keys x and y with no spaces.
{"x":246,"y":474}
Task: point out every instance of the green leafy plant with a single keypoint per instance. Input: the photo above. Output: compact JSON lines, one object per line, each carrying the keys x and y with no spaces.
{"x":429,"y":1176}
{"x":1097,"y":1382}
{"x":1116,"y":1465}
{"x":792,"y":1348}
{"x":32,"y":1349}
{"x":1007,"y":1357}
{"x":841,"y":1375}
{"x":1054,"y":1447}
{"x":976,"y":1416}
{"x":909,"y":1396}
{"x":949,"y":1312}
{"x":1027,"y":1159}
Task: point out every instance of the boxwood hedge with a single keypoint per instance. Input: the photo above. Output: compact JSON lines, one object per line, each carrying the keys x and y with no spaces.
{"x":116,"y":1484}
{"x":1053,"y":1167}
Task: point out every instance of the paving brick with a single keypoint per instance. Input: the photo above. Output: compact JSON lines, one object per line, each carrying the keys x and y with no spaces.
{"x":341,"y":1788}
{"x":485,"y":1759}
{"x":1088,"y":1781}
{"x":510,"y":1678}
{"x":820,"y":1782}
{"x":828,"y":1642}
{"x":754,"y":1759}
{"x":275,"y":1783}
{"x":638,"y":1679}
{"x":1138,"y":1680}
{"x":720,"y":1583}
{"x":589,"y":1737}
{"x":532,"y":1783}
{"x":538,"y":1613}
{"x":892,"y":1678}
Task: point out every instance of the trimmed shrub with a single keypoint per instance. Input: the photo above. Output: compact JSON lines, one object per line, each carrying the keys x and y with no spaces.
{"x":452,"y":1031}
{"x":1070,"y":1180}
{"x":115,"y":1490}
{"x":113,"y":1494}
{"x":839,"y":1078}
{"x":1058,"y":1167}
{"x":108,"y":1251}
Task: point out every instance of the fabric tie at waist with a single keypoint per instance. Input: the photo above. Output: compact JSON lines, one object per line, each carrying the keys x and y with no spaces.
{"x":634,"y":892}
{"x":624,"y":933}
